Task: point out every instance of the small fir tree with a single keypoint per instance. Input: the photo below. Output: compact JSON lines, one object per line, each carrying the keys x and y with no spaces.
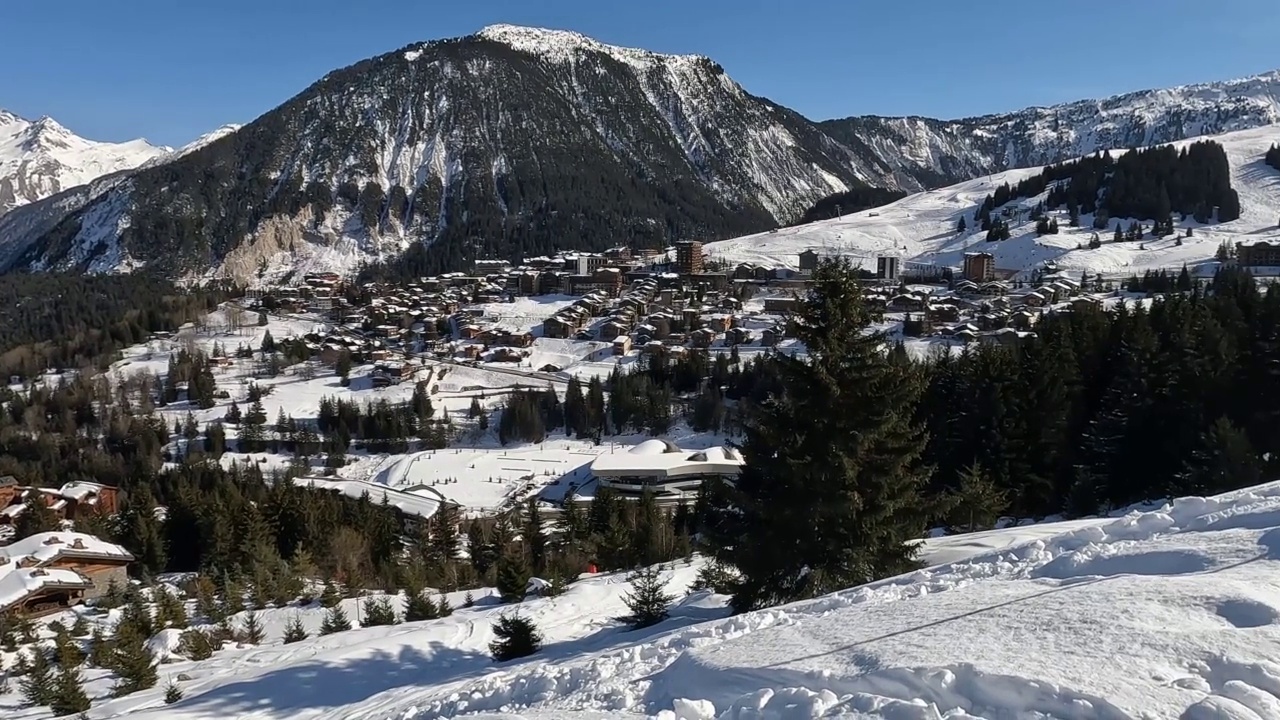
{"x":37,"y":683}
{"x":252,"y":632}
{"x":133,"y":665}
{"x":68,"y":696}
{"x":335,"y":620}
{"x":172,"y":693}
{"x":294,"y":630}
{"x":515,"y":637}
{"x":331,"y":595}
{"x":977,"y":503}
{"x":443,"y":607}
{"x":195,"y":644}
{"x":379,"y":611}
{"x":419,"y":606}
{"x":647,"y":599}
{"x":513,"y":577}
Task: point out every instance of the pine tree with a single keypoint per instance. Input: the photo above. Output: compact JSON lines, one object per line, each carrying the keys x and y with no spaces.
{"x":443,"y":608}
{"x":379,"y":611}
{"x":513,"y":577}
{"x":647,"y":599}
{"x":294,"y":630}
{"x":838,"y":447}
{"x":534,"y":536}
{"x":194,"y":644}
{"x":961,"y":226}
{"x":172,"y":693}
{"x":1223,"y":460}
{"x":133,"y":665}
{"x":419,"y":606}
{"x":516,"y":637}
{"x":37,"y":683}
{"x":977,"y":503}
{"x":252,"y":631}
{"x":335,"y":620}
{"x":67,"y":695}
{"x":330,"y":596}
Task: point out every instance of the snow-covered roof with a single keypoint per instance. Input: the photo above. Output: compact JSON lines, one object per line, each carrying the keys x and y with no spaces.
{"x":406,"y":502}
{"x":20,"y":583}
{"x":78,"y":490}
{"x":48,"y":546}
{"x":661,"y":458}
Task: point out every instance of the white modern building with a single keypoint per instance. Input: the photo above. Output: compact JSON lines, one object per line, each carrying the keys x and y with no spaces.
{"x":660,"y":466}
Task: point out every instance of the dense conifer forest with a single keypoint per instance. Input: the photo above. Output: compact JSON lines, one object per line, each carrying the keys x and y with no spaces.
{"x":1149,"y":184}
{"x":73,"y":321}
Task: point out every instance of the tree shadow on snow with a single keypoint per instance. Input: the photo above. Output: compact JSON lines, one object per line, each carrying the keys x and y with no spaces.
{"x":320,"y":685}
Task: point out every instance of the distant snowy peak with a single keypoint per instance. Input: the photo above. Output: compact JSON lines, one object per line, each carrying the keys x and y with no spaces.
{"x":925,"y":152}
{"x":208,"y":137}
{"x":40,"y":158}
{"x":564,"y":45}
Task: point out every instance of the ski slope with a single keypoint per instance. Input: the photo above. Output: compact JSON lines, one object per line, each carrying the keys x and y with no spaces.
{"x":1171,"y":613}
{"x":921,"y":228}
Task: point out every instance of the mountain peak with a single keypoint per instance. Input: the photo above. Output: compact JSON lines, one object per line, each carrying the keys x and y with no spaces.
{"x":562,"y":45}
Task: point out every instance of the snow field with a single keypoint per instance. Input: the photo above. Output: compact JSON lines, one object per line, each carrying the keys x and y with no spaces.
{"x":922,"y":227}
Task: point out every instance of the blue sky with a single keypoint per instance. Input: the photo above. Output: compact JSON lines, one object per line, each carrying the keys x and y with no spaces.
{"x":170,"y":70}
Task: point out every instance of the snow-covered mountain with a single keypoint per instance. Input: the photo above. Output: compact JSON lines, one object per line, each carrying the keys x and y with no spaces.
{"x":520,"y":141}
{"x":922,"y":228}
{"x":922,"y":152}
{"x":513,"y":141}
{"x":41,"y":158}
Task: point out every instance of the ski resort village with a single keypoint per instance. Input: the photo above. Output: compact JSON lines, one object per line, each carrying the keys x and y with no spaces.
{"x":518,"y":376}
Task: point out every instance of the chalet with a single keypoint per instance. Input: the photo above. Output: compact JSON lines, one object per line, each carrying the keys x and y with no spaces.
{"x":702,"y":338}
{"x":944,"y":312}
{"x":995,"y":287}
{"x":1037,"y":298}
{"x":72,"y":501}
{"x":966,"y":286}
{"x":1023,"y":319}
{"x":51,"y":571}
{"x":905,"y":303}
{"x":611,"y":330}
{"x":719,"y":322}
{"x":808,"y":261}
{"x":621,"y":345}
{"x":558,"y":326}
{"x":737,"y":336}
{"x":512,"y":338}
{"x":770,"y":337}
{"x":781,"y":305}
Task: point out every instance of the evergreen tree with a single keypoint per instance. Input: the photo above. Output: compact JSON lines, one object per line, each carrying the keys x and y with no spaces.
{"x":196,"y":644}
{"x":379,"y":611}
{"x":647,"y":599}
{"x":294,"y":630}
{"x":335,"y":620}
{"x":133,"y":665}
{"x":36,"y":516}
{"x":534,"y":536}
{"x":575,"y":409}
{"x":443,"y":608}
{"x":330,"y":596}
{"x":839,"y":447}
{"x":977,"y":503}
{"x":252,"y":631}
{"x":67,"y":695}
{"x":343,"y":368}
{"x":513,"y":577}
{"x":419,"y":606}
{"x":172,"y":693}
{"x":37,"y":684}
{"x":516,"y":637}
{"x":268,"y":342}
{"x":961,"y":225}
{"x":1223,"y":459}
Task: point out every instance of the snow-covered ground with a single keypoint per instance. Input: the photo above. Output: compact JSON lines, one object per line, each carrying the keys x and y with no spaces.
{"x":1170,"y":613}
{"x":921,"y":228}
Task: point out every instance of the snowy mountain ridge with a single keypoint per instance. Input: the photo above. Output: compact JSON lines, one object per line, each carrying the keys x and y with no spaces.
{"x":40,"y":158}
{"x":931,"y":153}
